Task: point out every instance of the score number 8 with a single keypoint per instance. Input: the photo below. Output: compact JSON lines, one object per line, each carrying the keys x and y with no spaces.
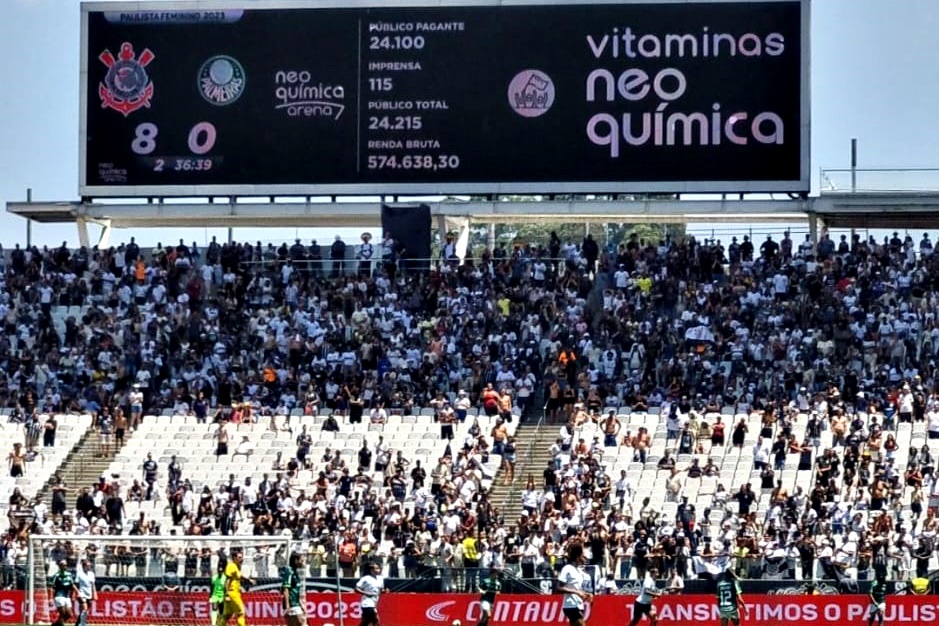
{"x":201,"y":138}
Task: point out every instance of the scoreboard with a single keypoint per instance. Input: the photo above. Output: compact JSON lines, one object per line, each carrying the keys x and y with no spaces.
{"x":208,"y":98}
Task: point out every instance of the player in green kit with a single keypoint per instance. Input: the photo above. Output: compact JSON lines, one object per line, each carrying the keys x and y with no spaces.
{"x":878,"y":597}
{"x":217,"y":596}
{"x":294,"y":597}
{"x":730,"y":599}
{"x":490,"y":588}
{"x":64,"y":591}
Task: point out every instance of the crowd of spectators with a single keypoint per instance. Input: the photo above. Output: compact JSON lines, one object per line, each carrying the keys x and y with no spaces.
{"x":239,"y":332}
{"x":834,"y":342}
{"x":843,"y":333}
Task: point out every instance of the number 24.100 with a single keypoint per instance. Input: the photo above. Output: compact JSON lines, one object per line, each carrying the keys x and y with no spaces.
{"x":397,"y":42}
{"x":201,"y":138}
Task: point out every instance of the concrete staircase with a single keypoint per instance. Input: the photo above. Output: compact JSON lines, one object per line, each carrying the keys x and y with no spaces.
{"x":535,"y":437}
{"x":81,"y":468}
{"x":534,"y":444}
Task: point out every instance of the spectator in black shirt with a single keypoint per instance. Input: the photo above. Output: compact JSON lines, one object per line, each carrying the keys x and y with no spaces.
{"x":200,"y":408}
{"x":345,"y":483}
{"x":49,"y":430}
{"x":418,"y":475}
{"x":641,"y":553}
{"x":685,"y":515}
{"x":150,"y":474}
{"x":304,"y":442}
{"x":767,"y":478}
{"x":779,"y":451}
{"x":331,"y":425}
{"x":744,"y":498}
{"x":174,"y":474}
{"x":85,"y":503}
{"x":769,"y":249}
{"x":666,"y":462}
{"x":337,"y":253}
{"x":17,"y":498}
{"x":550,"y":477}
{"x":591,"y":252}
{"x":365,"y":457}
{"x":746,"y":249}
{"x":356,"y":406}
{"x":114,"y":508}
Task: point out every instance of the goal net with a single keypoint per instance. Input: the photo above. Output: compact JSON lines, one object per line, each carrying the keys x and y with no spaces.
{"x":155,"y":580}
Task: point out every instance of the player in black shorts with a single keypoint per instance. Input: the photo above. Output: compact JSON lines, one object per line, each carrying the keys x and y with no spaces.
{"x":643,"y":606}
{"x":576,"y":585}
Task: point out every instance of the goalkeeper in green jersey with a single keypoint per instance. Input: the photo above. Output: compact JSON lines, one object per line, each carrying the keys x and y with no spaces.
{"x":293,"y":586}
{"x":489,"y":588}
{"x":878,"y":605}
{"x":730,"y":599}
{"x":217,"y":596}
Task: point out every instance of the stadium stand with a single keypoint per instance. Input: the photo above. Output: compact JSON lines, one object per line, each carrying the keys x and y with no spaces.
{"x":771,"y":410}
{"x":43,"y":448}
{"x":201,"y":337}
{"x":408,"y":441}
{"x":778,"y":420}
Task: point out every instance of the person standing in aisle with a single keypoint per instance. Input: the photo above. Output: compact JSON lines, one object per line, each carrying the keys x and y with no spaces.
{"x":294,"y":596}
{"x":576,"y":586}
{"x":370,"y":586}
{"x":136,"y":407}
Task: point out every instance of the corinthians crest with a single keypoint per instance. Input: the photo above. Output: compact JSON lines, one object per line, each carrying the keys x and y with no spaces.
{"x":126,"y":86}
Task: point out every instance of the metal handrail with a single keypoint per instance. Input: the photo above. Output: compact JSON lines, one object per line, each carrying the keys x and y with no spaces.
{"x":514,"y":489}
{"x":352,"y":261}
{"x":379,"y":259}
{"x":878,"y":180}
{"x":351,"y":266}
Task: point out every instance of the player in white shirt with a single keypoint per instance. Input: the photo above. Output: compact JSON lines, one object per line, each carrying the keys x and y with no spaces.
{"x":87,"y":590}
{"x":370,"y":586}
{"x":647,"y":594}
{"x":576,"y":586}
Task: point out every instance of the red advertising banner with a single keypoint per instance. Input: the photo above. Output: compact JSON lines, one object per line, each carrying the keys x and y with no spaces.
{"x":423,"y":609}
{"x":11,"y":607}
{"x":538,"y":610}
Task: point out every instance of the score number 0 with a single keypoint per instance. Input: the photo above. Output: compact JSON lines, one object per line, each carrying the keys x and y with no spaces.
{"x":201,"y":138}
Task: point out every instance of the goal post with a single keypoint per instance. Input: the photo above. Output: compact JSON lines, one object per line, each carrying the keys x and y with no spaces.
{"x":162,"y":580}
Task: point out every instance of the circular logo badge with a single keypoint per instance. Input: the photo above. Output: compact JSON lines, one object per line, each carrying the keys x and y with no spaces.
{"x":531,"y":93}
{"x":221,"y":80}
{"x":126,"y":79}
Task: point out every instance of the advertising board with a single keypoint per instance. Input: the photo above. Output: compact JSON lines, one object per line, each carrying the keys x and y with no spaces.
{"x":407,"y":609}
{"x":209,"y":98}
